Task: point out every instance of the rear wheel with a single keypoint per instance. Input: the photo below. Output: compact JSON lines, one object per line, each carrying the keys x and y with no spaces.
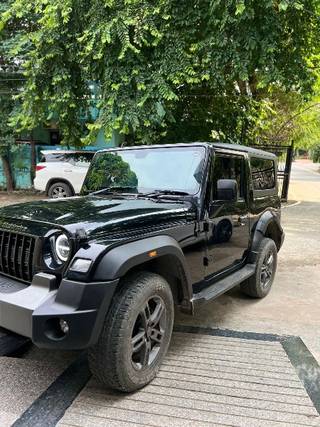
{"x":136,"y":334}
{"x":259,"y":285}
{"x":59,"y":190}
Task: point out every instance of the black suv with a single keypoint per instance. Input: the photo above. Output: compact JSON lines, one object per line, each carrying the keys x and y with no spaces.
{"x":155,"y":227}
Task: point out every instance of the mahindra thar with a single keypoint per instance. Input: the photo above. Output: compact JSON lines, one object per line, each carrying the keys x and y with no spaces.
{"x":154,"y":227}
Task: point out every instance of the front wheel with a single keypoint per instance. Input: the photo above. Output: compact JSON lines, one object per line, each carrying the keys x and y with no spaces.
{"x":259,"y":285}
{"x":136,"y":334}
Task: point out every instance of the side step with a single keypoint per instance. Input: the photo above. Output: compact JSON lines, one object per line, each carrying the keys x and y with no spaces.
{"x":223,"y":285}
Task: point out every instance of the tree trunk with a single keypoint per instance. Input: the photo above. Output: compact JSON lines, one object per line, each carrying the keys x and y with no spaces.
{"x":7,"y":172}
{"x":33,"y":158}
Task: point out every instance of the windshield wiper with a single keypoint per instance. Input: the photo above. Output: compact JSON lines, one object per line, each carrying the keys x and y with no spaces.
{"x":158,"y":193}
{"x":114,"y":190}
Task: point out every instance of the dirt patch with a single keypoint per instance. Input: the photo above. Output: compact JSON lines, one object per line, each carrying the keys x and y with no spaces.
{"x":19,"y":197}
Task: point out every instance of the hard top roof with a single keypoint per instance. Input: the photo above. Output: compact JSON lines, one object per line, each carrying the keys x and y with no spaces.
{"x":218,"y":145}
{"x":244,"y":148}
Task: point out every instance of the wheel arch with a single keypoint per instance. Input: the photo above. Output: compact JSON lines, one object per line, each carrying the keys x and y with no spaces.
{"x":56,"y":180}
{"x":267,"y":226}
{"x":160,"y":254}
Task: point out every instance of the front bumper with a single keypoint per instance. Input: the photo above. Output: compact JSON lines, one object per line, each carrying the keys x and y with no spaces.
{"x":34,"y":311}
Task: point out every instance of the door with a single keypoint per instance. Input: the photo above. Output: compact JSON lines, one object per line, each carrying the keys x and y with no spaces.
{"x":228,"y":222}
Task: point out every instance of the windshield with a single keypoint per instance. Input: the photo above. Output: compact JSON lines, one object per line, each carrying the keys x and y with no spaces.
{"x":146,"y":170}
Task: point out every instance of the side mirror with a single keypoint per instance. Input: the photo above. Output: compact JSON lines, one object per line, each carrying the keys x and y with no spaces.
{"x":227,"y":190}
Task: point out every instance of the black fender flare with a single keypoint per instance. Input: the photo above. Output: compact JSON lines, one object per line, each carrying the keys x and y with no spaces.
{"x":260,"y":230}
{"x":118,"y":261}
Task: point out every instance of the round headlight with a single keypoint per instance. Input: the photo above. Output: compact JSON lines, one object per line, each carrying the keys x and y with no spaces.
{"x":63,"y":247}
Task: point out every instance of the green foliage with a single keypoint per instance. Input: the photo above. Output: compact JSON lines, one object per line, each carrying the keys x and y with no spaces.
{"x":307,"y":135}
{"x":10,"y":80}
{"x":109,"y":170}
{"x":166,"y":70}
{"x":316,"y":153}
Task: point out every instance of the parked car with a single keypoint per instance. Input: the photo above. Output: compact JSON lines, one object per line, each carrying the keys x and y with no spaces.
{"x":61,"y":173}
{"x":155,"y":227}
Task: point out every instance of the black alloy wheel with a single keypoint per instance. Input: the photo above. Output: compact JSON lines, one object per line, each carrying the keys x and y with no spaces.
{"x":260,"y":283}
{"x":148,"y":333}
{"x":267,"y":268}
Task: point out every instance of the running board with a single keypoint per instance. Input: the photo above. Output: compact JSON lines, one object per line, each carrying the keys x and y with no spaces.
{"x":223,"y":285}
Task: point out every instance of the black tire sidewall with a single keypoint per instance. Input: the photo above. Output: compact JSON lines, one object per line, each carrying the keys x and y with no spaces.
{"x":266,"y":246}
{"x":139,"y":378}
{"x":110,"y":358}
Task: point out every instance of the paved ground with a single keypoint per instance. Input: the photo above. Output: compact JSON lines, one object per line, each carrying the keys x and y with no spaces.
{"x":305,"y":181}
{"x":205,"y":381}
{"x":22,"y":381}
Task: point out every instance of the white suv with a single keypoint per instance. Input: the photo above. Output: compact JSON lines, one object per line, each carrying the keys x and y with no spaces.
{"x":61,"y":173}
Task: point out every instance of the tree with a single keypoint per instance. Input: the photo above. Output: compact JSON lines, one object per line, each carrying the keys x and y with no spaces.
{"x":14,"y":47}
{"x":165,"y":70}
{"x":8,"y":77}
{"x":307,"y":135}
{"x":6,"y":134}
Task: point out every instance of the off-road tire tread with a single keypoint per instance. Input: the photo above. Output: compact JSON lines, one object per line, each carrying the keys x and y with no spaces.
{"x":106,"y":352}
{"x":252,"y":287}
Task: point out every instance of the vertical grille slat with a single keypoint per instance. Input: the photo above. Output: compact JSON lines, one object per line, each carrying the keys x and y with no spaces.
{"x":21,"y":257}
{"x":30,"y":252}
{"x":12,"y":243}
{"x":6,"y":252}
{"x":16,"y":255}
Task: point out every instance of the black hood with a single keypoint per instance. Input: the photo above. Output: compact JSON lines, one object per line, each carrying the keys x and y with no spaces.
{"x":98,"y":216}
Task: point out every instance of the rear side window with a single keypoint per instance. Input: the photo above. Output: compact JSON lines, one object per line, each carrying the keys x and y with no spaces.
{"x":263,"y":173}
{"x":52,"y":157}
{"x":80,"y":158}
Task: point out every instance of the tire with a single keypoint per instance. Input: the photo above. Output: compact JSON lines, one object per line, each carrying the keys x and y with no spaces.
{"x":122,"y":359}
{"x":259,"y":285}
{"x":59,"y":190}
{"x":223,"y":231}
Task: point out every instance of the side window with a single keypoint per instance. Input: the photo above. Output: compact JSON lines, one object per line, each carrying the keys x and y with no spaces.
{"x":263,"y":173}
{"x":229,"y":167}
{"x":55,"y":157}
{"x":80,"y":159}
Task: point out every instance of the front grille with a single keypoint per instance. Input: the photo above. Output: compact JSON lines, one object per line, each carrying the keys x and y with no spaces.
{"x":16,"y":255}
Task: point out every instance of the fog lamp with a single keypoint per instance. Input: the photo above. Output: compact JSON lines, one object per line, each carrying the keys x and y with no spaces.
{"x":64,"y":326}
{"x":81,"y":265}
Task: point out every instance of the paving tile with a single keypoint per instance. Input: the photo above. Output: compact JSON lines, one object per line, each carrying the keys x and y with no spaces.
{"x":226,"y":381}
{"x":22,"y":381}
